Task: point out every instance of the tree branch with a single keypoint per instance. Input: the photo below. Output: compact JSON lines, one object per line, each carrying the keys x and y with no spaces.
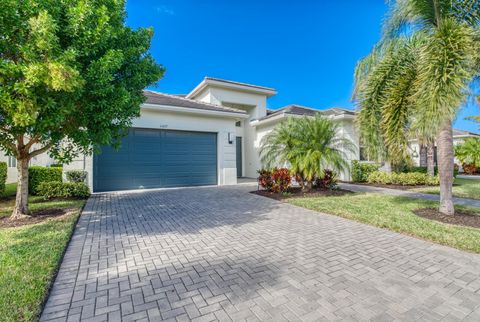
{"x":32,"y":141}
{"x":40,"y":151}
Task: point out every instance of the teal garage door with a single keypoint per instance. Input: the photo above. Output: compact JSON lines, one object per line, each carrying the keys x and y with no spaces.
{"x":151,"y":158}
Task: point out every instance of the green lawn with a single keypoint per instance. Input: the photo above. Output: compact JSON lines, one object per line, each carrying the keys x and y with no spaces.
{"x":30,"y":255}
{"x":395,"y":213}
{"x":464,"y":188}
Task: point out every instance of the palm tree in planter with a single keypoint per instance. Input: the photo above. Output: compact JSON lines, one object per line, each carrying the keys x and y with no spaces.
{"x":308,"y":145}
{"x":418,"y":76}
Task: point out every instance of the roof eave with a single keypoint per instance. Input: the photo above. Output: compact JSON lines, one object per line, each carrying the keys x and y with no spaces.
{"x":239,"y":87}
{"x":190,"y":110}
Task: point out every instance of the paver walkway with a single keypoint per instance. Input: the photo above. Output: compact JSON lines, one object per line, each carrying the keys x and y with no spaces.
{"x":407,"y":193}
{"x":221,"y":253}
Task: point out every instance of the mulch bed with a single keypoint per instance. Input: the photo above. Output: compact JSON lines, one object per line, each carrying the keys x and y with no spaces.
{"x":461,"y":217}
{"x":296,"y":192}
{"x":37,"y":217}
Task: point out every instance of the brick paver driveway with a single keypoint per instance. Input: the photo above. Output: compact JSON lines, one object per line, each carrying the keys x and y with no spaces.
{"x":224,"y":254}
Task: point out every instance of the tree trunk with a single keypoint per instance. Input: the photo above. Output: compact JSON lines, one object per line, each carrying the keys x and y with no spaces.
{"x":309,"y":185}
{"x":430,"y":160}
{"x":445,"y":167}
{"x":21,"y":201}
{"x":387,"y":167}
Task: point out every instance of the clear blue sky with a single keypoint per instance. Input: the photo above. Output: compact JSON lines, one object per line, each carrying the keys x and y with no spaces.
{"x":307,"y":50}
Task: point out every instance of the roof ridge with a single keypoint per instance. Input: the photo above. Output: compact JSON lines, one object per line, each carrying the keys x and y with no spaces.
{"x":198,"y":102}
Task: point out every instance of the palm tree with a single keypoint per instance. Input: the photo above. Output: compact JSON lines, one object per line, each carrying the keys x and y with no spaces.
{"x":417,"y":77}
{"x":308,"y":145}
{"x":468,"y":152}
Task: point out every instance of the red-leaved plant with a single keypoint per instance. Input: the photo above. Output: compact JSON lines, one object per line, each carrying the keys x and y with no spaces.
{"x":276,"y":180}
{"x":281,"y":180}
{"x":469,"y":168}
{"x":327,"y":181}
{"x":265,"y":179}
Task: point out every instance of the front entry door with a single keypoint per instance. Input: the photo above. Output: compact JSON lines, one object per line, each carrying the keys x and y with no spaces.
{"x":239,"y":155}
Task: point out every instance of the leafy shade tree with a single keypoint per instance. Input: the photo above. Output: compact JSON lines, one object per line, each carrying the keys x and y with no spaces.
{"x":308,"y":145}
{"x":417,"y":77}
{"x":71,"y":79}
{"x":468,"y":152}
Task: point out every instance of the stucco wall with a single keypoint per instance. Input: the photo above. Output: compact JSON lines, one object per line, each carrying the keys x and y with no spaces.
{"x":257,"y":108}
{"x":155,"y":119}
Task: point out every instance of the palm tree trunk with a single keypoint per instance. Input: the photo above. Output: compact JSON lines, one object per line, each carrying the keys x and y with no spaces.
{"x":21,"y":201}
{"x":430,"y":160}
{"x":309,"y":186}
{"x":387,"y":167}
{"x":445,"y":167}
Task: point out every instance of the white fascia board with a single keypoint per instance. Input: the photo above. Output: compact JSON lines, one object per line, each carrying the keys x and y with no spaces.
{"x":239,"y":87}
{"x":187,"y":110}
{"x":343,"y":117}
{"x":272,"y":119}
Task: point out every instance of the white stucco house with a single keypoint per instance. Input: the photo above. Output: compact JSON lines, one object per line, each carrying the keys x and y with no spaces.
{"x":210,"y":136}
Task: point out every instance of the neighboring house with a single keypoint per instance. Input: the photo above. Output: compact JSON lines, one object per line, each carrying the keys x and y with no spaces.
{"x":41,"y":160}
{"x":419,"y":152}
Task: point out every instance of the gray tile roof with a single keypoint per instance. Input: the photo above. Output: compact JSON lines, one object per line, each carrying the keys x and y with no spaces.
{"x":157,"y":98}
{"x":294,"y":109}
{"x":457,"y":132}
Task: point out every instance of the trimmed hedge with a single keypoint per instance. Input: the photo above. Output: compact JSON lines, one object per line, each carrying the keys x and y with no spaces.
{"x":405,"y":179}
{"x":424,"y":170}
{"x":76,"y":175}
{"x":54,"y":189}
{"x":38,"y":175}
{"x":3,"y":176}
{"x":361,"y":171}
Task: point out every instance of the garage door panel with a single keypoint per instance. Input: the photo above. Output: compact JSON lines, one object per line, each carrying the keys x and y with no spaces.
{"x":157,"y":158}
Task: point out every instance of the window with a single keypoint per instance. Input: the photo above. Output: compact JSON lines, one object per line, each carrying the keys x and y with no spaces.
{"x":363,"y":154}
{"x":238,"y":123}
{"x":12,"y":162}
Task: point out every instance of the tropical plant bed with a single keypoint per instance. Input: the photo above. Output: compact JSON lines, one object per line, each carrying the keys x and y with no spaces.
{"x":461,"y":217}
{"x":297,"y":192}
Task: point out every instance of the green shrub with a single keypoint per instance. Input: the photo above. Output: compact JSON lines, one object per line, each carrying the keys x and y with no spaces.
{"x":3,"y":176}
{"x":424,"y":170}
{"x":55,"y":189}
{"x":56,"y":165}
{"x":76,"y":175}
{"x":38,"y":175}
{"x":361,"y":171}
{"x":405,"y":179}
